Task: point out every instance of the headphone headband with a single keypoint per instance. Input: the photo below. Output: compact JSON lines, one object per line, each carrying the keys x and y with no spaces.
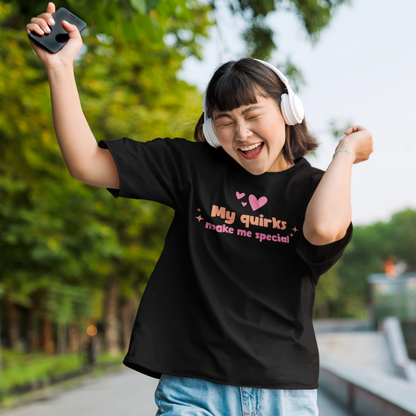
{"x":291,"y":107}
{"x":278,"y":73}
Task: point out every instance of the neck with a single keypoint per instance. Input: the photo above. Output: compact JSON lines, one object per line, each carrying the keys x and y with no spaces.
{"x":281,"y":165}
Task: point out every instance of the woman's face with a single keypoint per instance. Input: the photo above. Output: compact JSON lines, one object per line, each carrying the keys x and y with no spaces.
{"x":253,"y":135}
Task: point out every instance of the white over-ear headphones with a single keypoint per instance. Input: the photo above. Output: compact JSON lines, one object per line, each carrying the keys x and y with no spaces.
{"x":291,"y":106}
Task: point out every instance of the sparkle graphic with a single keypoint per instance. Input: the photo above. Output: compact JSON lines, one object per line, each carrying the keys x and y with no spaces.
{"x":199,"y":209}
{"x":291,"y":235}
{"x":199,"y":218}
{"x":295,"y":229}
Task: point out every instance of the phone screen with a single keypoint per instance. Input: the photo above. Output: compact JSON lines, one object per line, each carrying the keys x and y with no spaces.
{"x":58,"y":37}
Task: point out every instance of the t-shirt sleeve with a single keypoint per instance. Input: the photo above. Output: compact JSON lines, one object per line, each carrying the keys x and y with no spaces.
{"x":320,"y":259}
{"x":151,"y":170}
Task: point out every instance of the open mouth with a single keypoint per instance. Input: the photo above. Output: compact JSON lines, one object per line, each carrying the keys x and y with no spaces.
{"x":251,"y":152}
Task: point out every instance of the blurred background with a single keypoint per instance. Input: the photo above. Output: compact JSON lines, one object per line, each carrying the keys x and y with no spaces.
{"x":75,"y":261}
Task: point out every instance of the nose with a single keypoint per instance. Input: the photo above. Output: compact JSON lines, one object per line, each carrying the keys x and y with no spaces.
{"x":243,"y":132}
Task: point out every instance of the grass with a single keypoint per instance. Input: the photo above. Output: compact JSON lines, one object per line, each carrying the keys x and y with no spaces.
{"x":39,"y":369}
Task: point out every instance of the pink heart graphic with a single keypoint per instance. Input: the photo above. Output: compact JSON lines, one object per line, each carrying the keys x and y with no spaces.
{"x":244,"y":204}
{"x":239,"y":196}
{"x":257,"y":203}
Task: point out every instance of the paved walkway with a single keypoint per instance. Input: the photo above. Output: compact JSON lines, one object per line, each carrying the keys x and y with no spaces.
{"x":126,"y":393}
{"x":364,"y":351}
{"x":363,"y":359}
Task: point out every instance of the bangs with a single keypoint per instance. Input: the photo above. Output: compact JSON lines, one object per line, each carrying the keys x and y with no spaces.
{"x":239,"y":83}
{"x":231,"y":91}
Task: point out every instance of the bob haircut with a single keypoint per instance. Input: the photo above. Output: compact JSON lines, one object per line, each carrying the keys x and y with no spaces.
{"x":236,"y":83}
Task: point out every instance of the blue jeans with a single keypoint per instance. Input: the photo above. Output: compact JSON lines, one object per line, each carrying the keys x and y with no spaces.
{"x":185,"y":396}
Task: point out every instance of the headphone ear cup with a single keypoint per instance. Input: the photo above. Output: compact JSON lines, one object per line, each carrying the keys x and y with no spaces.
{"x":209,"y":133}
{"x":297,"y":108}
{"x":292,"y":109}
{"x":285,"y":107}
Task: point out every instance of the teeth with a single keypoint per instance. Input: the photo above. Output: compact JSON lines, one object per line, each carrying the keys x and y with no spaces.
{"x":245,"y":149}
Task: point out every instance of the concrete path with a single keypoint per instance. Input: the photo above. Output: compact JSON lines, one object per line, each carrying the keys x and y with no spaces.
{"x":362,"y":351}
{"x":328,"y":407}
{"x":126,"y":393}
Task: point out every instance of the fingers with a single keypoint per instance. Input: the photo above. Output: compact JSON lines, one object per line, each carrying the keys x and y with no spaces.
{"x":353,"y":129}
{"x":31,"y":27}
{"x":51,"y":8}
{"x":38,"y":25}
{"x":41,"y":23}
{"x":359,"y":140}
{"x":71,"y":29}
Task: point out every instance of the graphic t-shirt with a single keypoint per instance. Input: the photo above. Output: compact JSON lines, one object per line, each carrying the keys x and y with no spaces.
{"x":231,"y":297}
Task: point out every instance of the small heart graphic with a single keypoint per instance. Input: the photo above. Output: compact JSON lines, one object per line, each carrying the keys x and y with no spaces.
{"x":239,"y":196}
{"x":244,"y":204}
{"x":257,"y":203}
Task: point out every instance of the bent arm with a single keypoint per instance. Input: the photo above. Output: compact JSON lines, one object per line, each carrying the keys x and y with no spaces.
{"x":329,"y":212}
{"x":83,"y":158}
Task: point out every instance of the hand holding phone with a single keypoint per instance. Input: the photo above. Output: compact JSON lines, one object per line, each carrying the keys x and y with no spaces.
{"x":50,"y":32}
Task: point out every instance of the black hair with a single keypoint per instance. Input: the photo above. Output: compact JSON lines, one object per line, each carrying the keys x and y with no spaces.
{"x":237,"y":83}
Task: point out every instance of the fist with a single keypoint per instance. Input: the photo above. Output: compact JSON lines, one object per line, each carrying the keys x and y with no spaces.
{"x":359,"y":140}
{"x":40,"y":25}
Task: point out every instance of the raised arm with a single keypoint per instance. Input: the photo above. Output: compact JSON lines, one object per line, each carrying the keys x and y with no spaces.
{"x":329,"y":211}
{"x":83,"y":158}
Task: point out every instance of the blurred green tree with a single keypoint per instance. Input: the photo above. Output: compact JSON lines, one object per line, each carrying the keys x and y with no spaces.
{"x":342,"y":292}
{"x":129,"y":21}
{"x":55,"y":229}
{"x":314,"y":15}
{"x":124,"y":18}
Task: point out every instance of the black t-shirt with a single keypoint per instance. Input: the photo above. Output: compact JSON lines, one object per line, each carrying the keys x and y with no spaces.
{"x":231,"y":297}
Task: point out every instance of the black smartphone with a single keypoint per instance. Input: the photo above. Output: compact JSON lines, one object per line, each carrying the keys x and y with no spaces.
{"x":58,"y":37}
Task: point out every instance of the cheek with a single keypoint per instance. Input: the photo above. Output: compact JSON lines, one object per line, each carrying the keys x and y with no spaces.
{"x":226,"y":140}
{"x":277,"y":137}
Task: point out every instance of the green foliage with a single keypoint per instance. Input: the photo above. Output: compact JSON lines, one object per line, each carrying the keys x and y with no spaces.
{"x":259,"y":40}
{"x":105,"y":358}
{"x":186,"y":20}
{"x":20,"y":369}
{"x":129,"y":21}
{"x":59,"y":238}
{"x":337,"y":128}
{"x":293,"y":73}
{"x":314,"y":15}
{"x":342,"y":292}
{"x":327,"y":292}
{"x":401,"y":237}
{"x":257,"y":7}
{"x":66,"y":304}
{"x":144,"y":6}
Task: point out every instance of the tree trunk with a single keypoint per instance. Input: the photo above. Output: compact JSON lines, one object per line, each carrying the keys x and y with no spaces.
{"x":47,"y":336}
{"x":111,"y":325}
{"x":74,"y":341}
{"x":31,"y":336}
{"x":12,"y":316}
{"x":61,"y":339}
{"x":127,"y":315}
